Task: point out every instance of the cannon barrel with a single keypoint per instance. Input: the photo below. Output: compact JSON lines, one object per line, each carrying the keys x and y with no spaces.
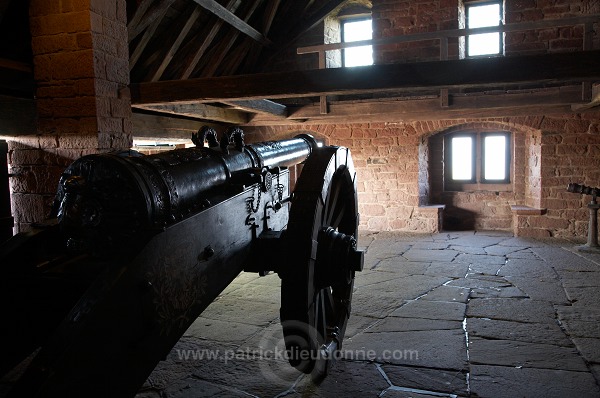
{"x":107,"y":200}
{"x":144,"y":244}
{"x":583,"y":189}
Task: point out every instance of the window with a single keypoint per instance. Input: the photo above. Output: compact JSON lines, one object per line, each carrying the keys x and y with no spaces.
{"x":480,"y":15}
{"x":357,"y":30}
{"x":477,"y":161}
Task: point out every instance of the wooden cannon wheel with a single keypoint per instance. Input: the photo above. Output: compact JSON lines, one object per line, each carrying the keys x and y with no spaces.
{"x":317,"y":282}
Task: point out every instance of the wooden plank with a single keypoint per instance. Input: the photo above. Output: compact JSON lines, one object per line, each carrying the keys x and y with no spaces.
{"x":543,"y":102}
{"x":322,"y":98}
{"x":199,"y":111}
{"x":466,"y":73}
{"x":193,"y":17}
{"x":149,"y":18}
{"x":233,"y":20}
{"x":260,"y":106}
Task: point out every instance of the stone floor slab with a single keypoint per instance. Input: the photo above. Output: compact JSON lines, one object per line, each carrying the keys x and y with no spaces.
{"x":511,"y":309}
{"x":221,"y":331}
{"x":448,"y":293}
{"x":392,"y":324}
{"x":549,"y":333}
{"x":430,"y":255}
{"x":502,"y":381}
{"x":539,"y":289}
{"x":451,"y":270}
{"x":589,"y":348}
{"x":231,"y":308}
{"x":427,"y":309}
{"x":523,"y":354}
{"x":580,"y":322}
{"x":401,"y":267}
{"x":436,"y":380}
{"x":444,"y":349}
{"x":480,"y":259}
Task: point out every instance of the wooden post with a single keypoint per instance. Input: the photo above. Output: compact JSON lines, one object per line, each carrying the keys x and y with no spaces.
{"x":323,"y":98}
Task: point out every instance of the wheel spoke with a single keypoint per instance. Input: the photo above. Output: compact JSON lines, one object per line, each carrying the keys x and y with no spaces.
{"x":332,"y":202}
{"x":339,"y":212}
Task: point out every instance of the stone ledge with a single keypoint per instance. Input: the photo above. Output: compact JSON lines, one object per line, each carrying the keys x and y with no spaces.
{"x":527,"y":210}
{"x":432,"y":208}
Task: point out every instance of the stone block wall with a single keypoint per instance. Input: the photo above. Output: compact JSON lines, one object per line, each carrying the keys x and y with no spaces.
{"x":548,"y":152}
{"x":397,"y":18}
{"x":81,"y":61}
{"x":399,"y":164}
{"x":539,"y":41}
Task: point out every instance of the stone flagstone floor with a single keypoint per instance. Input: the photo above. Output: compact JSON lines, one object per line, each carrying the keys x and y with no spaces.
{"x":465,"y":314}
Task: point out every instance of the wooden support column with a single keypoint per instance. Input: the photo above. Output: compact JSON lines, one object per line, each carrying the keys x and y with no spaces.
{"x":588,"y":36}
{"x":322,"y":98}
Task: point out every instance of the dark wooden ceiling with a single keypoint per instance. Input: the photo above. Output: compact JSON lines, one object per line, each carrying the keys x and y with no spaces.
{"x":220,"y":61}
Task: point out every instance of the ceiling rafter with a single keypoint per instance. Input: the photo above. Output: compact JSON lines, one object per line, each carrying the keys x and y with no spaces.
{"x":203,"y":40}
{"x":226,"y":43}
{"x":139,"y":12}
{"x":154,"y":13}
{"x":233,"y":20}
{"x":170,"y":54}
{"x":143,"y":42}
{"x":254,"y":53}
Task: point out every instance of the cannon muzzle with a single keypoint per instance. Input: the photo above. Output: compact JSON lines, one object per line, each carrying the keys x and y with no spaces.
{"x":583,"y":189}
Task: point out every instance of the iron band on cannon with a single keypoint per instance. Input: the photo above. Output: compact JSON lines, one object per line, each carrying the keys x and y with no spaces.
{"x":141,"y":245}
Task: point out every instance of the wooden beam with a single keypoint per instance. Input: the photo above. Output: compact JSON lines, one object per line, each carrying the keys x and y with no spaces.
{"x":483,"y":105}
{"x":191,"y":19}
{"x":199,"y":111}
{"x":466,"y":73}
{"x":233,"y":20}
{"x":261,"y":106}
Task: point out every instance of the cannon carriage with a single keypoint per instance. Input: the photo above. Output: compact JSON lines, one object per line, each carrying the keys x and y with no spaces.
{"x":139,"y":246}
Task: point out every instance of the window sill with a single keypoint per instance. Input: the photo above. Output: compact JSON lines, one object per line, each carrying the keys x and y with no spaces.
{"x":521,"y":210}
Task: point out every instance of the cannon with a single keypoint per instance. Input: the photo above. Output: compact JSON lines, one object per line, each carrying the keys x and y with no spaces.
{"x":138,"y":246}
{"x":592,"y":238}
